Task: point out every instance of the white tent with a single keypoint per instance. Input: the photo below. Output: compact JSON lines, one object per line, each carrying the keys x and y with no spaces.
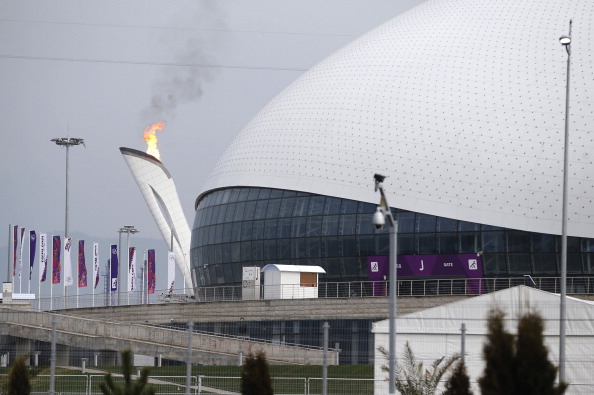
{"x":436,"y":332}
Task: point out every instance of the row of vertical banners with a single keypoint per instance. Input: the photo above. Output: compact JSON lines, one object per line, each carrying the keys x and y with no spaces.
{"x":63,"y":246}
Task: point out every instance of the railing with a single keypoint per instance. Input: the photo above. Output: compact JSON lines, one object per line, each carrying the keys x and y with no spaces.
{"x":354,"y":289}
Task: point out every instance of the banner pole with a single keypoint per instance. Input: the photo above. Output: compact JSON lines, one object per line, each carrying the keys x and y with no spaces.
{"x":8,"y":249}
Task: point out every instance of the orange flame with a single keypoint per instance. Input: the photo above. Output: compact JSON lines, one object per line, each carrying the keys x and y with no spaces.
{"x":150,"y":135}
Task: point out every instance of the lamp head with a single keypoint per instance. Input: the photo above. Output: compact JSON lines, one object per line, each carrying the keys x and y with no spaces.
{"x":565,"y":40}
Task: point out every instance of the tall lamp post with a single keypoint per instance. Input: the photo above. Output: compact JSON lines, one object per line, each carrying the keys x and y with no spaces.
{"x":565,"y":40}
{"x":67,"y":142}
{"x":129,"y":229}
{"x":381,"y":216}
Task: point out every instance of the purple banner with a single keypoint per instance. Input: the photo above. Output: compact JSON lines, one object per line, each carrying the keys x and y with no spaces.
{"x":56,"y":265}
{"x":82,"y":266}
{"x":445,"y":265}
{"x":114,"y":267}
{"x":32,"y":249}
{"x":151,"y":278}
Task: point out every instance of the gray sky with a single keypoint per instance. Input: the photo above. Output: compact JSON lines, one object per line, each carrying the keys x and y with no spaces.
{"x":103,"y":71}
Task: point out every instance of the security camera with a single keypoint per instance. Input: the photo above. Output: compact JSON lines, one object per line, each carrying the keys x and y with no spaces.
{"x":378,"y":219}
{"x":379,"y":177}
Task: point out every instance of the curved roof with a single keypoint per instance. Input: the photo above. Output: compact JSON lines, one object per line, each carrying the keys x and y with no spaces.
{"x":461,"y":104}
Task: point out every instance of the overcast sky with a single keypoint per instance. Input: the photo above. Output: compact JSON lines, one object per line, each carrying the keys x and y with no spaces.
{"x":103,"y":71}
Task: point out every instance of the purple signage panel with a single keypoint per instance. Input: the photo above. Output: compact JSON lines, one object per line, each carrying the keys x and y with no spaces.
{"x":444,"y":265}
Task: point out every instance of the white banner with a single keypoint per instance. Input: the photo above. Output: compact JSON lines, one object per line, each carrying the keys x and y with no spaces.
{"x":132,"y":269}
{"x":171,"y":270}
{"x":95,"y":265}
{"x":68,"y":280}
{"x":21,"y":254}
{"x":42,"y":256}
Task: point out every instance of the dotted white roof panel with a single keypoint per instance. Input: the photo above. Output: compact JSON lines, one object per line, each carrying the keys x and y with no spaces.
{"x":460,"y":103}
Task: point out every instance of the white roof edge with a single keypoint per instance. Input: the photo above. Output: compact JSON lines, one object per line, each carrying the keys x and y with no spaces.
{"x":294,"y":268}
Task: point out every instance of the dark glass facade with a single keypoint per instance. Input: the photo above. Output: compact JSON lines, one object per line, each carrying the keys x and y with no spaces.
{"x":242,"y":226}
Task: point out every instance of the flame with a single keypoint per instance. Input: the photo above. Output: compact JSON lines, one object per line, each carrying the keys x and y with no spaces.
{"x":150,"y":135}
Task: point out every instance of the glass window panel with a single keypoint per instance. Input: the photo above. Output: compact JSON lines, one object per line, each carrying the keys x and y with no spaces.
{"x":246,"y":230}
{"x":257,"y":248}
{"x":246,"y":251}
{"x":236,"y":231}
{"x":589,"y":264}
{"x":298,"y":227}
{"x":239,"y":210}
{"x":544,"y":243}
{"x":331,"y":265}
{"x":346,"y":224}
{"x":573,"y":244}
{"x":518,"y":242}
{"x":286,"y":207}
{"x":314,"y":249}
{"x":253,"y":194}
{"x":545,"y":264}
{"x":227,"y":233}
{"x":314,"y":226}
{"x":249,"y":211}
{"x":234,"y":195}
{"x":426,"y":244}
{"x":467,"y":226}
{"x":211,"y":255}
{"x":316,"y":205}
{"x":269,"y":250}
{"x":213,"y":274}
{"x":332,"y":206}
{"x":406,"y":222}
{"x":261,"y":207}
{"x":574,"y":263}
{"x":446,"y":225}
{"x":276,"y":193}
{"x":468,"y":242}
{"x":212,"y":230}
{"x":490,"y":227}
{"x":201,"y":276}
{"x":350,"y":267}
{"x":226,"y":253}
{"x":406,"y":244}
{"x":495,"y":264}
{"x":273,"y":208}
{"x":447,"y":243}
{"x":365,"y":246}
{"x":425,"y":223}
{"x":243,"y":194}
{"x":237,"y":272}
{"x":329,"y":246}
{"x":283,"y":249}
{"x":208,"y":215}
{"x":330,"y":225}
{"x":270,"y":229}
{"x":382,"y":245}
{"x":284,"y":227}
{"x":258,"y":230}
{"x":218,"y":197}
{"x":222,"y":212}
{"x":366,"y":208}
{"x":229,"y":212}
{"x":301,"y":206}
{"x":226,"y":196}
{"x":264,"y":193}
{"x":218,"y":253}
{"x":347,"y":246}
{"x":365,"y":224}
{"x":493,"y":242}
{"x":297,"y":248}
{"x":287,"y":193}
{"x":235,"y":252}
{"x":349,"y":206}
{"x":520,"y":264}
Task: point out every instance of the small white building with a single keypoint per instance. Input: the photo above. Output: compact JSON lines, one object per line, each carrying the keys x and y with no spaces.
{"x":291,"y":281}
{"x":436,"y":332}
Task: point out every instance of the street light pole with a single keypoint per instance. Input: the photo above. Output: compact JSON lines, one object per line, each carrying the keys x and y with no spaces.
{"x":382,"y":214}
{"x":566,"y":42}
{"x":67,"y":142}
{"x":129,"y":229}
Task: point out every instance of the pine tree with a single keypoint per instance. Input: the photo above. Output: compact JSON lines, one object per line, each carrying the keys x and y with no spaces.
{"x":498,"y":352}
{"x":255,"y":375}
{"x":18,"y":378}
{"x":459,"y":382}
{"x":129,"y":386}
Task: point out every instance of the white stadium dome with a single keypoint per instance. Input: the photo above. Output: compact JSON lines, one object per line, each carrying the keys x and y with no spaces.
{"x":461,"y":104}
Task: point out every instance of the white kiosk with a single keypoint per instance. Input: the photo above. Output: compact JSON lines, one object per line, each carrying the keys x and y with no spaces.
{"x":291,"y":281}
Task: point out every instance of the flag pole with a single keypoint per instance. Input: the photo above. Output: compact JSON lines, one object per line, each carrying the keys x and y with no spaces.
{"x":52,"y":279}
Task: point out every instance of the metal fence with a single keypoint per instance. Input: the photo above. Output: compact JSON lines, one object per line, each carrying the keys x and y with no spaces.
{"x":353,"y":289}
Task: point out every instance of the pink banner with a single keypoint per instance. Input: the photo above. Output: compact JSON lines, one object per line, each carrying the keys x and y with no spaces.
{"x":151,"y":278}
{"x":56,"y":265}
{"x":82,"y":267}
